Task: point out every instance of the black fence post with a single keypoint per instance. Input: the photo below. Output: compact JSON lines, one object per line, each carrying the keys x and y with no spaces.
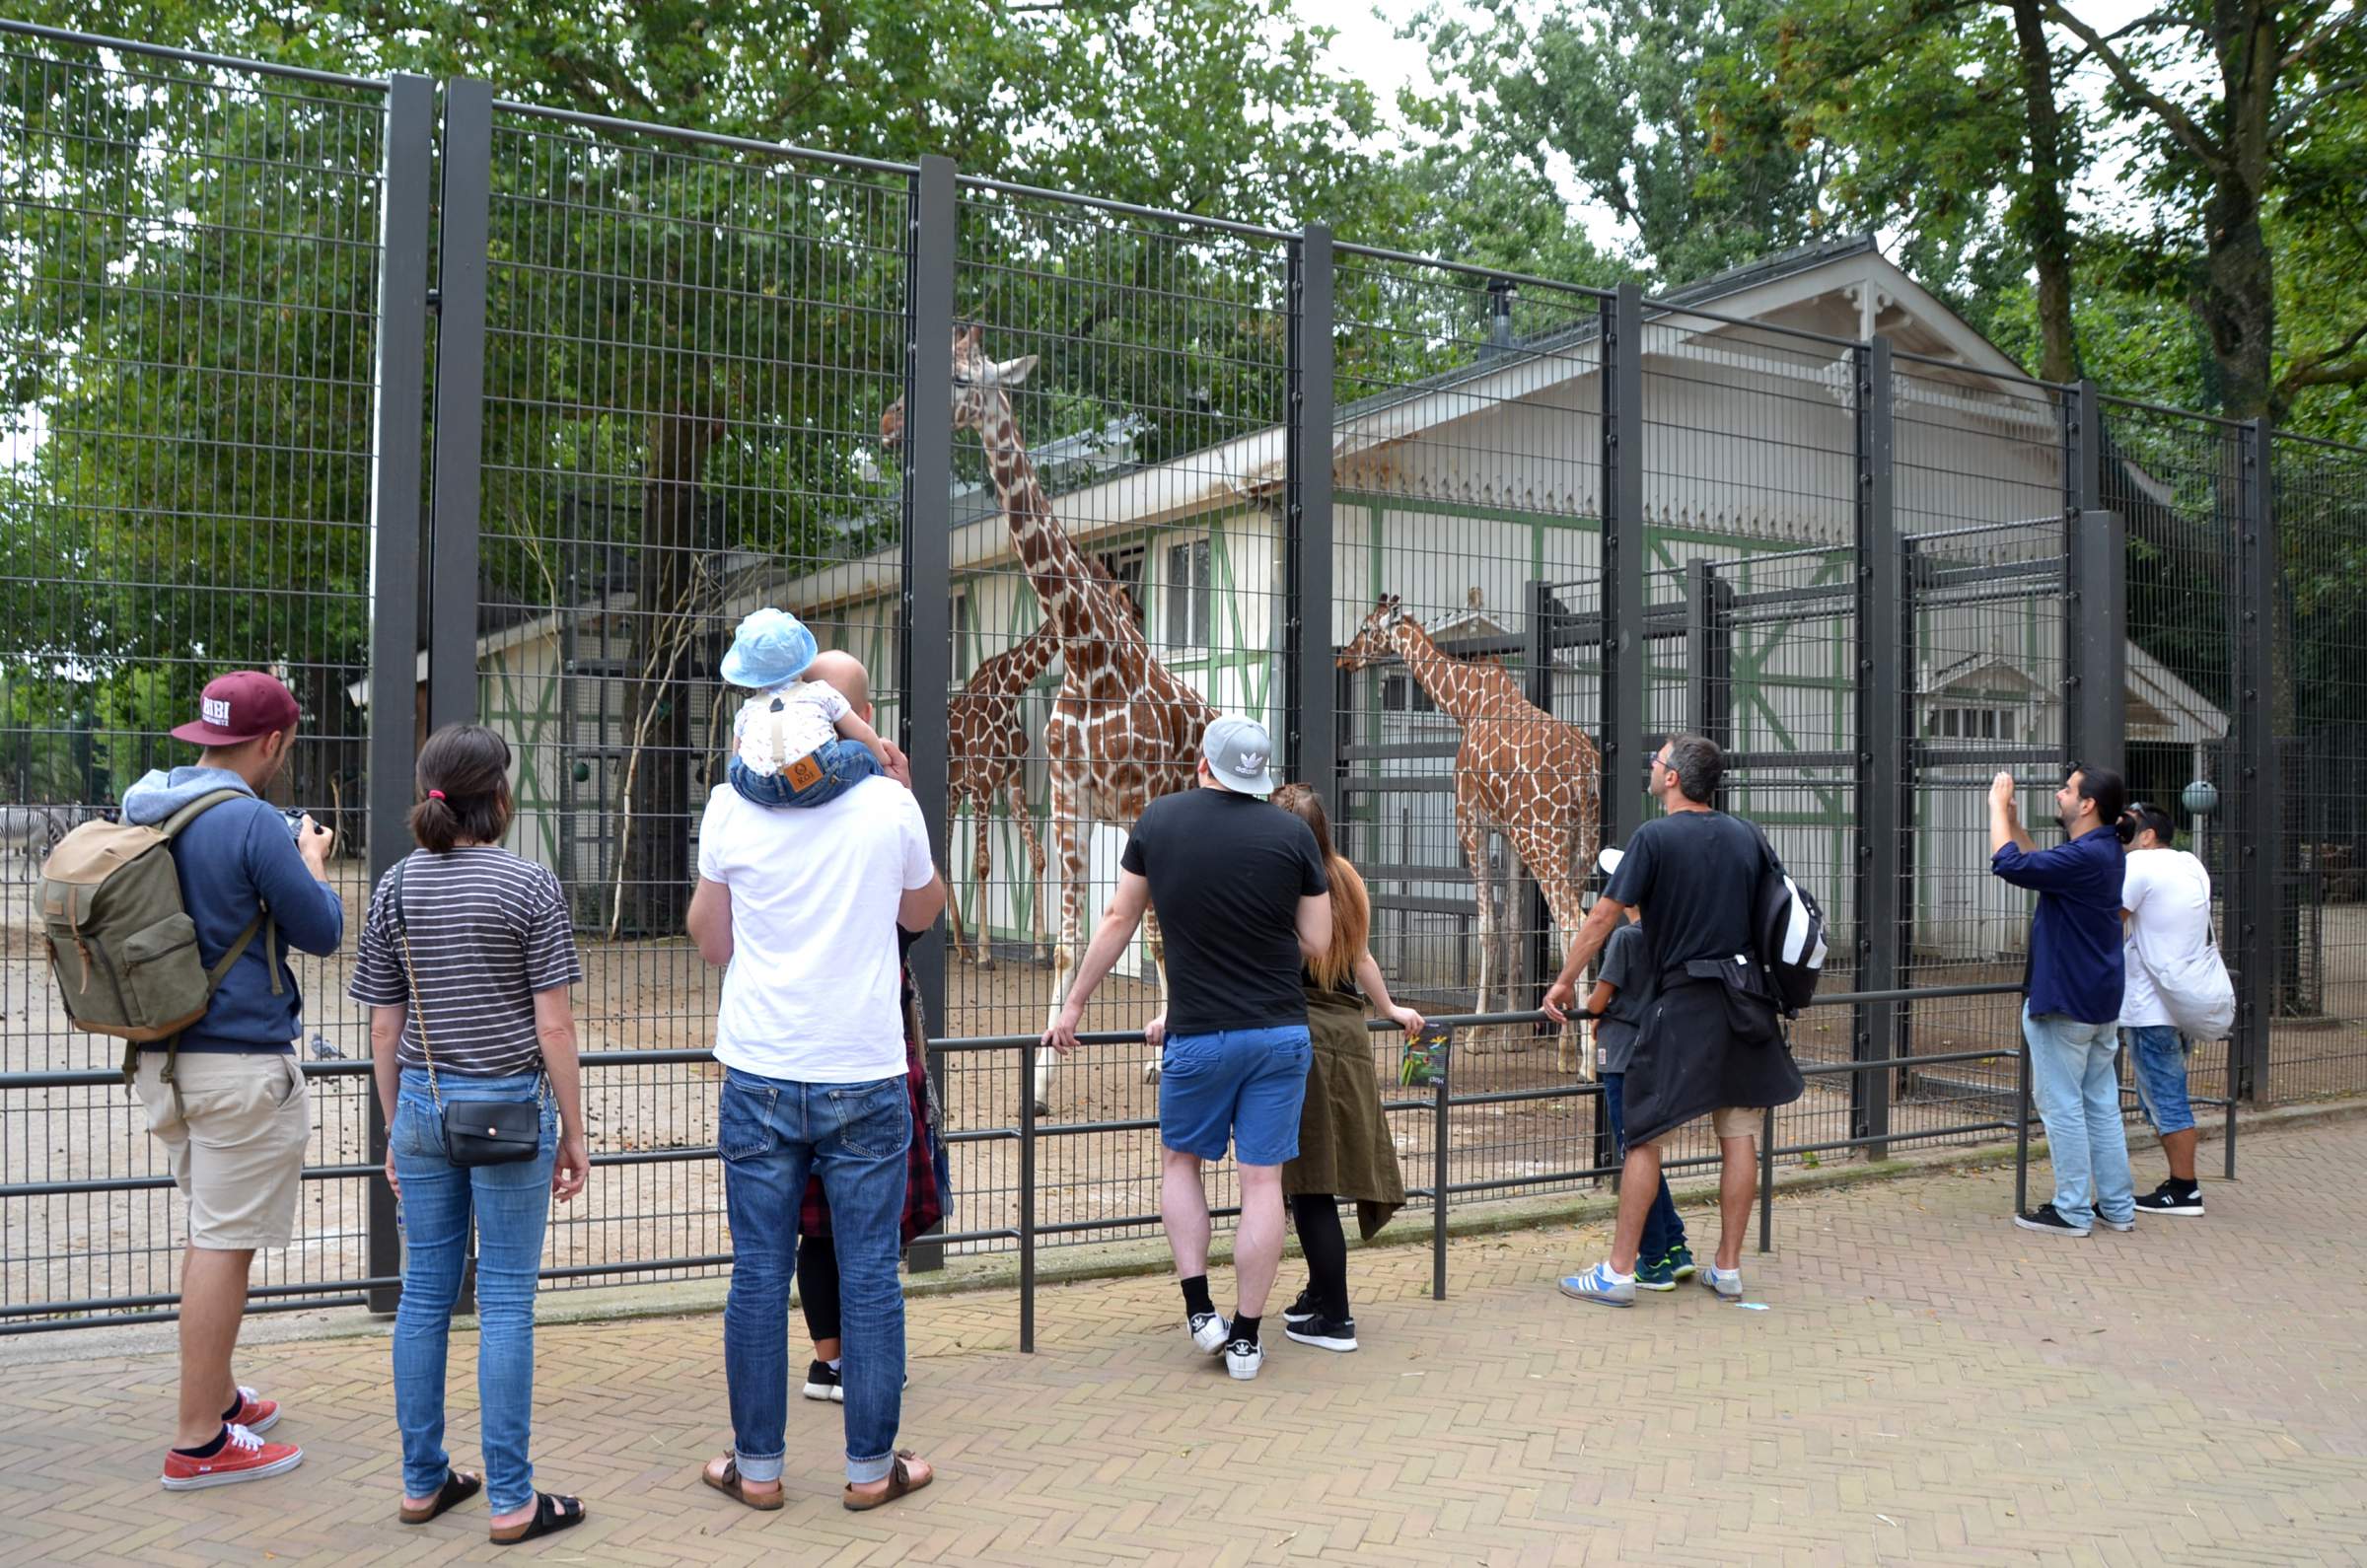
{"x":1623,"y":553}
{"x":398,"y":400}
{"x":1708,"y":652}
{"x":1310,"y":680}
{"x":1442,"y":1072}
{"x":2097,"y":632}
{"x":926,"y":654}
{"x":2258,"y":838}
{"x":466,"y":218}
{"x":1882,"y":725}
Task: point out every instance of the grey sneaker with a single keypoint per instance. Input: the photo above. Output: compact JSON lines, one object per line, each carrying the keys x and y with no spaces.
{"x":2111,"y":1224}
{"x":1727,"y":1282}
{"x":1209,"y":1331}
{"x":1597,"y":1285}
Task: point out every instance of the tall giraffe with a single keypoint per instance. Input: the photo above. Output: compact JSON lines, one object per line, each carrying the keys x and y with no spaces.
{"x":987,"y":756}
{"x":1520,"y":771}
{"x":1123,"y":731}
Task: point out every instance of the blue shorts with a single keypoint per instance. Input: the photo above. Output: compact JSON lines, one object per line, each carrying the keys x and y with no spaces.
{"x":838,"y":766}
{"x":2157,"y":1057}
{"x":1241,"y":1084}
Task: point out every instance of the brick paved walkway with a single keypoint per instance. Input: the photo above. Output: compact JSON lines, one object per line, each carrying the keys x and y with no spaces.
{"x":1927,"y":1384}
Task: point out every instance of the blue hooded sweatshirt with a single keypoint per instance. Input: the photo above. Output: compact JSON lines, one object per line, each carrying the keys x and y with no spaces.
{"x":236,"y":859}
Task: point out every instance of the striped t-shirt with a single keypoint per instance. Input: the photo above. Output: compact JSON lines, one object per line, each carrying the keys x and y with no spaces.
{"x":489,"y":930}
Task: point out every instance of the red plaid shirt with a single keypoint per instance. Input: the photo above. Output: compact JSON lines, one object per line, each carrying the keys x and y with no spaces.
{"x":924,"y":1205}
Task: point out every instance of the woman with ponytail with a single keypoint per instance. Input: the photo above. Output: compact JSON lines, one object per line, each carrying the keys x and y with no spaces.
{"x":1344,"y":1147}
{"x":465,"y":959}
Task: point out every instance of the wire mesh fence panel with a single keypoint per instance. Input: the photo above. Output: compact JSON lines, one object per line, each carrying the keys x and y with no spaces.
{"x":2177,"y":482}
{"x":2319,"y":686}
{"x":1120,"y":399}
{"x":1980,"y":495}
{"x":689,"y":350}
{"x":1467,"y":619}
{"x":189,"y":266}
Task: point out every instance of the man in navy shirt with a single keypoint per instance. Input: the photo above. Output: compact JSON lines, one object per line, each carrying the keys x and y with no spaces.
{"x":2072,"y":1012}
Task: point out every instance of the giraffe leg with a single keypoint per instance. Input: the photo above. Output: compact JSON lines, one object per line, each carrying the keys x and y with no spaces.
{"x":1158,"y":946}
{"x":1074,"y":835}
{"x":1038,"y":922}
{"x":1546,"y":860}
{"x":981,"y":871}
{"x":1474,"y":853}
{"x":952,"y":901}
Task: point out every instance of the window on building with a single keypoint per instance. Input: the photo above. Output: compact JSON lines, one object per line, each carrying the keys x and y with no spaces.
{"x":965,"y":644}
{"x":1404,"y":695}
{"x":1189,"y":569}
{"x":1970,"y":724}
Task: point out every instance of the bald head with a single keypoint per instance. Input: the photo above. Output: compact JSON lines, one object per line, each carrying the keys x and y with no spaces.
{"x":845,"y":673}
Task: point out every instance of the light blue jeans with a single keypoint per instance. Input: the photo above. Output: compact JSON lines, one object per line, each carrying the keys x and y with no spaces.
{"x":2072,"y":1077}
{"x":772,"y":1133}
{"x":510,"y":1203}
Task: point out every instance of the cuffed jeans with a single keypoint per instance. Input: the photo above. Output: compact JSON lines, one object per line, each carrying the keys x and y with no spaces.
{"x":2073,"y":1079}
{"x":511,"y":1203}
{"x":772,"y":1133}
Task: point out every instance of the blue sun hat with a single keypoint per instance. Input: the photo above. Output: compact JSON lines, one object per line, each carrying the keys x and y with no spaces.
{"x":771,"y":647}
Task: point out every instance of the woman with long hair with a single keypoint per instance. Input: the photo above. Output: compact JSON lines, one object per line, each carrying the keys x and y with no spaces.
{"x":1344,"y":1147}
{"x":466,"y":960}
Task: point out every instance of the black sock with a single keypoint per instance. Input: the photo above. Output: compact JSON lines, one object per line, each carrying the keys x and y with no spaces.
{"x":235,"y":1405}
{"x":206,"y":1451}
{"x":1245,"y":1330}
{"x":2186,"y":1185}
{"x":1195,"y":1297}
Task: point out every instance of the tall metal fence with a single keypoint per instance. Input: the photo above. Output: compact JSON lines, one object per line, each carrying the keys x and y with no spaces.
{"x":448,"y":408}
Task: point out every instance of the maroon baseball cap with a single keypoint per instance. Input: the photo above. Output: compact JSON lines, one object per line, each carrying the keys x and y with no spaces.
{"x":239,"y":706}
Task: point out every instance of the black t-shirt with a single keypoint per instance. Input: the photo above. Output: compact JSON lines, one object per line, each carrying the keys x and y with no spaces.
{"x":1227,"y":873}
{"x":1696,"y":877}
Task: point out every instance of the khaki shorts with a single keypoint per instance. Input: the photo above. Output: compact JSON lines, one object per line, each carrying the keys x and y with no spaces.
{"x":1727,"y":1121}
{"x":235,"y":1141}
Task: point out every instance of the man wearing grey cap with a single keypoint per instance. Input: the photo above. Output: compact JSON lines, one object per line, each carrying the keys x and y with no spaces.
{"x":1244,"y":902}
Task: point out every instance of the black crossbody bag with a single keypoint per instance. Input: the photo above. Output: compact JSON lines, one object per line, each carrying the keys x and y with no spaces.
{"x":476,"y":1131}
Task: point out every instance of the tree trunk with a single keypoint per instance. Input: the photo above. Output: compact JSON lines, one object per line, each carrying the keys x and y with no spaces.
{"x":2046,"y":224}
{"x":2234,"y":288}
{"x":655,"y":892}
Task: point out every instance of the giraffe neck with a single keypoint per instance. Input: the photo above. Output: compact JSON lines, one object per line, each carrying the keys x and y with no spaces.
{"x":1027,"y":661}
{"x":1065,"y":582}
{"x":1460,"y":687}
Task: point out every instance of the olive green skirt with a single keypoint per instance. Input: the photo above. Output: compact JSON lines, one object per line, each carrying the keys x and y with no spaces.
{"x":1345,"y":1146}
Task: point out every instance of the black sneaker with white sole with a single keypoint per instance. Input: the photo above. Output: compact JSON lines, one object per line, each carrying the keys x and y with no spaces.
{"x":2173,"y":1197}
{"x":2047,"y":1222}
{"x":1305,"y":1307}
{"x":821,"y":1383}
{"x":1325,"y":1333}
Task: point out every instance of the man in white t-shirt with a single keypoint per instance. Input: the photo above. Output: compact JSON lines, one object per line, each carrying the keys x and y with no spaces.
{"x":2166,"y":921}
{"x":803,"y":907}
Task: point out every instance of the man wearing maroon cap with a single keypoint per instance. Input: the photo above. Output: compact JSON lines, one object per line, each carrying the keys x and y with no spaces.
{"x":234,"y":1118}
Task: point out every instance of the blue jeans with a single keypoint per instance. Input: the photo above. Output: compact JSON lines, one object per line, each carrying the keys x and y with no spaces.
{"x":510,"y":1203}
{"x":2157,"y":1060}
{"x":772,"y":1133}
{"x":1242,"y":1086}
{"x":843,"y":764}
{"x":2072,"y":1077}
{"x":1664,"y":1229}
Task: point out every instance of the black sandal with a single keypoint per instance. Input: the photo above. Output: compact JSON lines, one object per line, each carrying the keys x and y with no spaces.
{"x":552,"y":1514}
{"x":458,"y":1486}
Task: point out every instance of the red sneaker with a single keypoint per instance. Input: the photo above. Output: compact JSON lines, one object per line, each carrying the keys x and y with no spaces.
{"x":243,"y":1456}
{"x":255,"y":1412}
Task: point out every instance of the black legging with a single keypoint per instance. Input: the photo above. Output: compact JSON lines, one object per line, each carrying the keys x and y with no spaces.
{"x":818,"y":1285}
{"x":1317,"y":1217}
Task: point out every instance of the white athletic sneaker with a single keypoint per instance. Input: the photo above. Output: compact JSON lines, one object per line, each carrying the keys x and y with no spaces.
{"x":1243,"y":1359}
{"x":1209,"y":1331}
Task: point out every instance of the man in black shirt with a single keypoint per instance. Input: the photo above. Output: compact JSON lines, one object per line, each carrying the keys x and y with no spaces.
{"x":1244,"y":902}
{"x":1694,"y":873}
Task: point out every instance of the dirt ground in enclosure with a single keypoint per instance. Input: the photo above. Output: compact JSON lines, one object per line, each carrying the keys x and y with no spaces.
{"x":658,"y":995}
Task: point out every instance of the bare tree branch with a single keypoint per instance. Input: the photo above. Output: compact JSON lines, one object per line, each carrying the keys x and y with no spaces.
{"x":2180,"y":123}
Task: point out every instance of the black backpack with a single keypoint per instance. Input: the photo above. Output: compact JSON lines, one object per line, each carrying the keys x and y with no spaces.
{"x":1789,"y":930}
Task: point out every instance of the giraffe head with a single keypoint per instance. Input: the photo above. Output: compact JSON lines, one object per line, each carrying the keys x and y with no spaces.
{"x":977,"y":381}
{"x":1377,"y":638}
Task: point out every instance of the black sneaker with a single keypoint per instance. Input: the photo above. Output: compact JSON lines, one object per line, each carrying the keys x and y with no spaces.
{"x":821,"y":1383}
{"x":2046,"y":1221}
{"x":2173,"y":1197}
{"x":1298,"y":1311}
{"x":1325,"y":1333}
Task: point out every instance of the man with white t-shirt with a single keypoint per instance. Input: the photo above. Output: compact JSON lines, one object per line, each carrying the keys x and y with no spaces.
{"x":803,"y":907}
{"x":2165,"y":918}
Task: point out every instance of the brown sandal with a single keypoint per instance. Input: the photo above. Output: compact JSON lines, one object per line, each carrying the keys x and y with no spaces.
{"x":731,"y":1485}
{"x":458,"y":1486}
{"x":899,"y":1484}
